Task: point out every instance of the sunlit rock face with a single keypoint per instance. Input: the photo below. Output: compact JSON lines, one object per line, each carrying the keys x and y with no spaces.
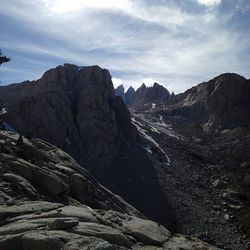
{"x":220,"y":103}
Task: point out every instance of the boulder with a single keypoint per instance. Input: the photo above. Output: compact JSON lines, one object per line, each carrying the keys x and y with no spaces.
{"x":63,"y":223}
{"x":146,"y":231}
{"x":101,"y":231}
{"x":41,"y":241}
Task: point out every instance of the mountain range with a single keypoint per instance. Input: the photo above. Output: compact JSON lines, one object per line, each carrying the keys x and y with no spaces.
{"x":180,"y":160}
{"x":144,"y":97}
{"x":222,"y":102}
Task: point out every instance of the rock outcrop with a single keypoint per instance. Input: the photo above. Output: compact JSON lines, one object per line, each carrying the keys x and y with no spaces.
{"x":47,"y":201}
{"x":75,"y":109}
{"x":204,"y":175}
{"x":129,"y":95}
{"x":145,"y":97}
{"x":220,"y":103}
{"x":69,"y":107}
{"x":36,"y":170}
{"x":119,"y":91}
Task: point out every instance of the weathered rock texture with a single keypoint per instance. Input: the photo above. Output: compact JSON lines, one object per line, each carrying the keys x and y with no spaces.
{"x":76,"y":110}
{"x":126,"y":96}
{"x":119,"y":91}
{"x":36,"y":170}
{"x":129,"y":95}
{"x":47,"y":201}
{"x":222,"y":102}
{"x":144,"y":96}
{"x":71,"y":108}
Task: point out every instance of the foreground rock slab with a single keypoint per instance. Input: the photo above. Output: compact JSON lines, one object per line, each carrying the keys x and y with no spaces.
{"x":48,"y":201}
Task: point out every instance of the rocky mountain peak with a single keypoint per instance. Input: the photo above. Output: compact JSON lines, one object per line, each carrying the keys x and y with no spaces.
{"x":63,"y":106}
{"x":77,"y":111}
{"x":230,"y":77}
{"x":174,"y":173}
{"x":130,"y":89}
{"x":120,"y":87}
{"x":146,"y":96}
{"x":156,"y":84}
{"x":129,"y":95}
{"x":119,"y":91}
{"x":222,"y":102}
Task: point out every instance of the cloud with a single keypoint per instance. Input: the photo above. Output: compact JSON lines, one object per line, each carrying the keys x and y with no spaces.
{"x":65,"y":6}
{"x":210,"y":2}
{"x":116,"y":82}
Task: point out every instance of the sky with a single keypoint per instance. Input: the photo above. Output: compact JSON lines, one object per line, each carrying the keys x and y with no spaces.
{"x":177,"y":43}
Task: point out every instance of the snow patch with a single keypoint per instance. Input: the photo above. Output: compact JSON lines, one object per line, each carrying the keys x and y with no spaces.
{"x":147,"y":137}
{"x":153,"y":129}
{"x":3,"y":111}
{"x":134,"y":121}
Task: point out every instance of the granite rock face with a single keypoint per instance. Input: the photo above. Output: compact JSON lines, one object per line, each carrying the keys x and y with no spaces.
{"x":129,"y":95}
{"x":75,"y":109}
{"x":47,"y":201}
{"x":36,"y":170}
{"x":126,"y":96}
{"x":70,"y":107}
{"x":222,"y":102}
{"x":145,"y":97}
{"x":119,"y":91}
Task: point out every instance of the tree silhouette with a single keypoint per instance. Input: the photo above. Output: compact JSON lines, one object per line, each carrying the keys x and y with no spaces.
{"x":3,"y":58}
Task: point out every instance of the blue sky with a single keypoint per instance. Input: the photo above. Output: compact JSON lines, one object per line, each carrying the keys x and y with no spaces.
{"x":178,"y":43}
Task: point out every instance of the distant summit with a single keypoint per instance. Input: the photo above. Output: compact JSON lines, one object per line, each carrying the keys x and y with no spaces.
{"x":119,"y":91}
{"x":129,"y":95}
{"x":146,"y":96}
{"x":222,"y":102}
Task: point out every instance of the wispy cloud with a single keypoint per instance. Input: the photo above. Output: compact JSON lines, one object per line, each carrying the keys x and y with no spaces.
{"x":177,"y":43}
{"x":210,"y":2}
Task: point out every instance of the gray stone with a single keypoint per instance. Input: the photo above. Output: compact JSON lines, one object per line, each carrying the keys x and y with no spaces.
{"x":11,"y":242}
{"x":104,"y":246}
{"x":12,"y":178}
{"x":101,"y":231}
{"x":63,"y":223}
{"x":28,"y":207}
{"x":146,"y":231}
{"x":178,"y":242}
{"x":39,"y":241}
